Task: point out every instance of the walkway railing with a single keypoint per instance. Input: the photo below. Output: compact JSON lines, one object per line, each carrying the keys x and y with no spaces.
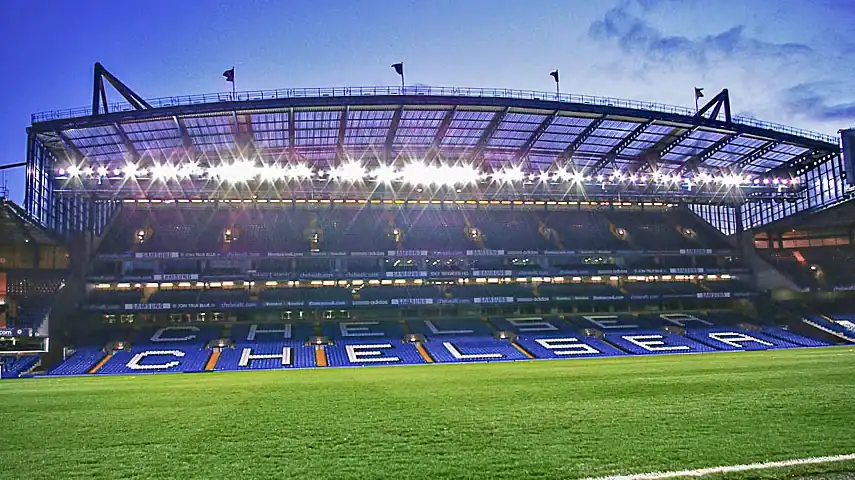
{"x":282,"y":93}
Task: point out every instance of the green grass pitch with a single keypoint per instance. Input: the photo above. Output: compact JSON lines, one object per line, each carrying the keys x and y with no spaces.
{"x":540,"y":419}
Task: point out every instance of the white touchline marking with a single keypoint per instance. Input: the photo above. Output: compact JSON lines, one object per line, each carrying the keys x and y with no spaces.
{"x":700,"y":472}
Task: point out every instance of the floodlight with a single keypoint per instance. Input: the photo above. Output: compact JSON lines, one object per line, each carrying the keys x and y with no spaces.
{"x":417,"y":173}
{"x":385,"y":174}
{"x":509,"y":175}
{"x":189,"y":169}
{"x":271,"y":173}
{"x":73,"y":170}
{"x":562,"y":175}
{"x":461,"y":175}
{"x":165,"y":171}
{"x":299,"y":172}
{"x":348,"y":172}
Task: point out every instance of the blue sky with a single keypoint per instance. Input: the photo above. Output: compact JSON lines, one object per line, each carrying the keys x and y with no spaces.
{"x":784,"y":61}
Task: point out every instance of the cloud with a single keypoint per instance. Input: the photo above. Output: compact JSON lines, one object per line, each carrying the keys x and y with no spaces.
{"x":779,"y":81}
{"x":636,"y":36}
{"x":816,"y":100}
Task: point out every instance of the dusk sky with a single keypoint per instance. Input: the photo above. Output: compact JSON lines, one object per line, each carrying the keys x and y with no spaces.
{"x":784,"y":61}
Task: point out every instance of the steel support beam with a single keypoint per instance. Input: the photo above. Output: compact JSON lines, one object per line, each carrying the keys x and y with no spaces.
{"x":754,"y":155}
{"x":182,"y":131}
{"x":390,"y":135}
{"x":612,"y":155}
{"x":69,"y":145}
{"x":804,"y":161}
{"x":653,"y":155}
{"x":292,"y":135}
{"x":340,"y":153}
{"x":132,"y":150}
{"x":715,"y":105}
{"x":693,"y":163}
{"x":433,"y":151}
{"x":524,"y":151}
{"x":13,"y":165}
{"x":99,"y":93}
{"x":487,"y":134}
{"x":580,"y":139}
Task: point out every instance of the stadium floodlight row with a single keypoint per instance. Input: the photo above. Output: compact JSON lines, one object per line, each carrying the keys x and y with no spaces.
{"x":415,"y":173}
{"x":474,"y":140}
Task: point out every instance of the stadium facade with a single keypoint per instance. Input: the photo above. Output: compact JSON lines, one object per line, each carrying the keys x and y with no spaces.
{"x":349,"y":226}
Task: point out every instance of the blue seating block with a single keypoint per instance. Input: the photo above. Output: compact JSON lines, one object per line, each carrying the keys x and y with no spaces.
{"x":301,"y":356}
{"x":80,"y":363}
{"x":653,"y":342}
{"x":794,"y":338}
{"x":570,"y":345}
{"x":157,"y":359}
{"x":736,"y":339}
{"x":372,"y":352}
{"x":472,"y":350}
{"x":447,"y":328}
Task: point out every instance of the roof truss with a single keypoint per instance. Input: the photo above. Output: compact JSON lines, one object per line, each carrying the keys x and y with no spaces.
{"x":614,"y":153}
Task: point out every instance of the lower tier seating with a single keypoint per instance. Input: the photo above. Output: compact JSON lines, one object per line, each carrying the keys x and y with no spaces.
{"x":187,"y":348}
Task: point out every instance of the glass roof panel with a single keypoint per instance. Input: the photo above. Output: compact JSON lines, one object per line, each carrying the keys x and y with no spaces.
{"x":707,"y":135}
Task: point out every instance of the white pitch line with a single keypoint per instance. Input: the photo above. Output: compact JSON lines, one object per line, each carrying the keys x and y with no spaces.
{"x":700,"y":472}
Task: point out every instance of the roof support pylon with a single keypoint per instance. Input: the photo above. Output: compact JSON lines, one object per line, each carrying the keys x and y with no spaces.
{"x":99,"y":93}
{"x":722,"y":100}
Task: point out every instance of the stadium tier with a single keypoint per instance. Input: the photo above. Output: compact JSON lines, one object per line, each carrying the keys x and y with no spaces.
{"x":339,"y":227}
{"x":436,"y":230}
{"x":197,"y":348}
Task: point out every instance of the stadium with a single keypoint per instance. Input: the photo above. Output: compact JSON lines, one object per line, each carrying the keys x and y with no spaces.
{"x":544,"y":264}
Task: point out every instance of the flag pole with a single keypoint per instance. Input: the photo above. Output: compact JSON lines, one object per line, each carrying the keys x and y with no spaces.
{"x":696,"y":103}
{"x":234,"y":97}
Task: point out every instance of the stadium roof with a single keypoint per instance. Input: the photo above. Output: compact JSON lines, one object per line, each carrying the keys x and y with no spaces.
{"x":18,"y":228}
{"x":495,"y":126}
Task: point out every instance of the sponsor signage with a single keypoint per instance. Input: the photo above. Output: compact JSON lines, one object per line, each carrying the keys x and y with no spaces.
{"x":16,"y":332}
{"x":143,"y":307}
{"x":398,"y":253}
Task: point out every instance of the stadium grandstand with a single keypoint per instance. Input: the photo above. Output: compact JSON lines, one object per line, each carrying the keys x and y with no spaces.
{"x":382,"y":225}
{"x":33,"y":265}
